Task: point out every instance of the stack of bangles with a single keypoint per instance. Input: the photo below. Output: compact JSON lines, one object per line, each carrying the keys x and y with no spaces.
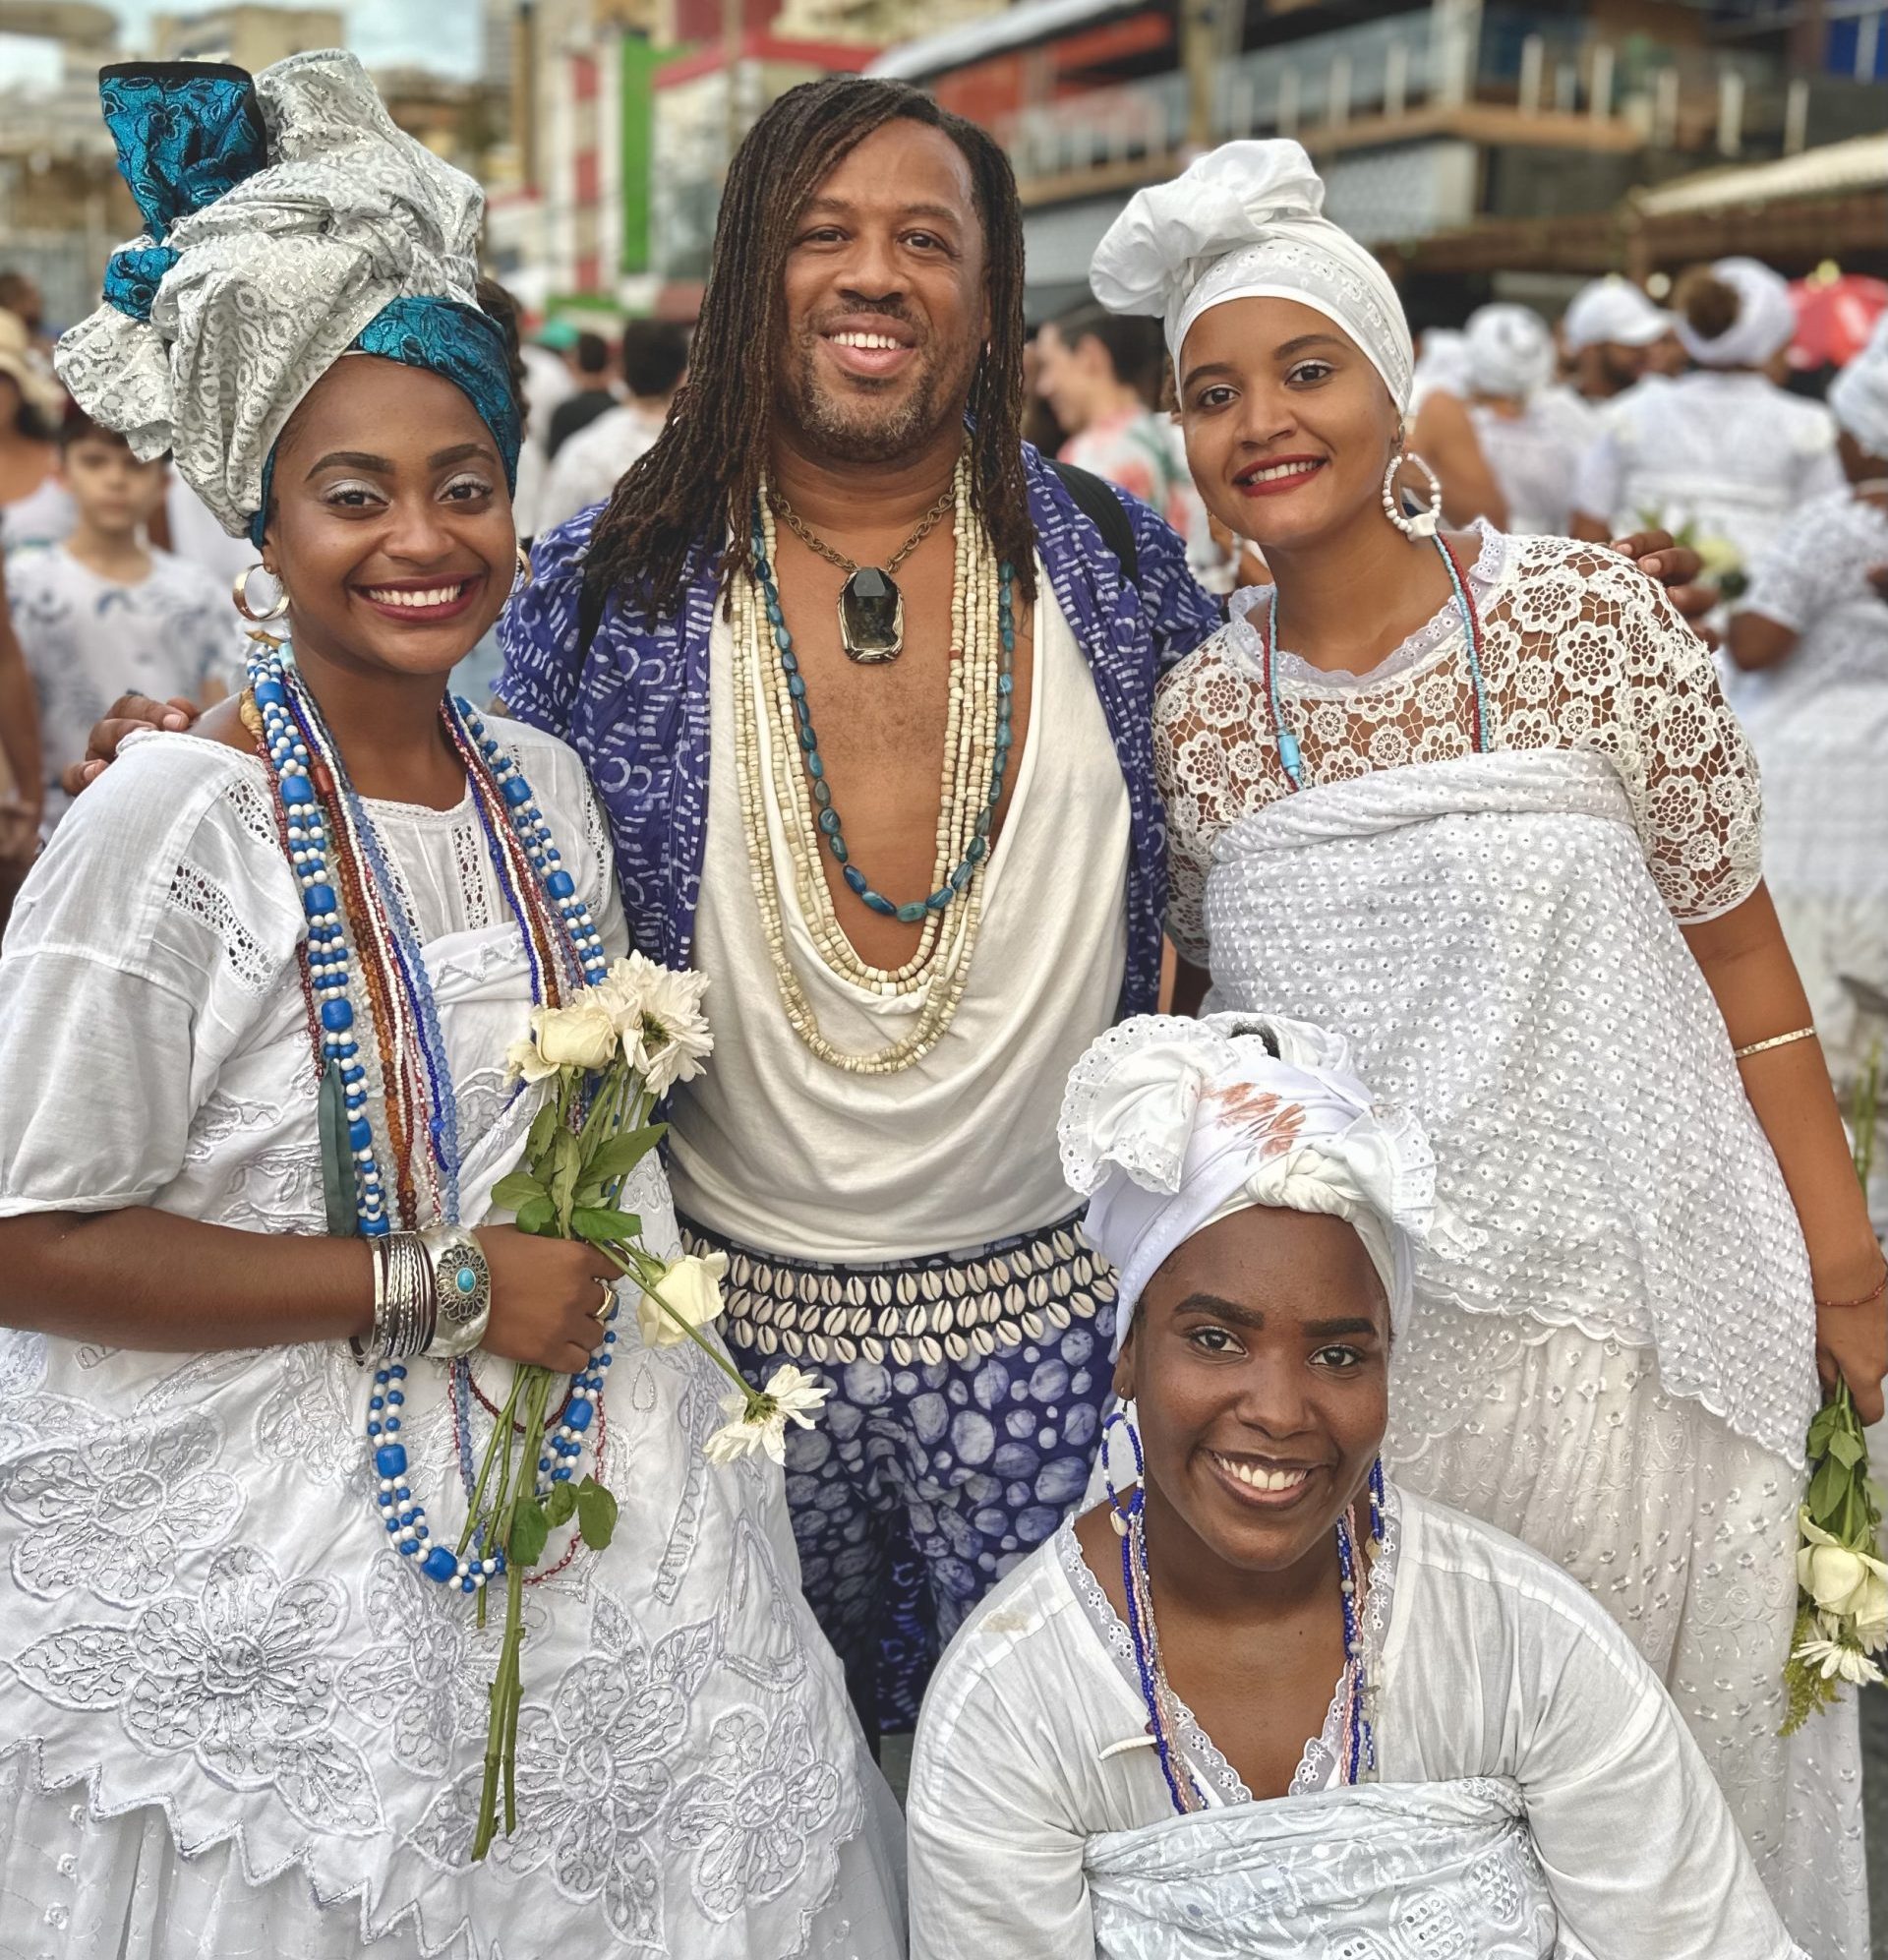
{"x":431,"y":1295}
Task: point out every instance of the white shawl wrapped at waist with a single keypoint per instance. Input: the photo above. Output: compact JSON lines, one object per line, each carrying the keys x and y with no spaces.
{"x":1377,"y":1872}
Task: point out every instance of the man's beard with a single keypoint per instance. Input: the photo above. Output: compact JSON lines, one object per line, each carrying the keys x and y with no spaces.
{"x":863,"y":431}
{"x":1619,"y":375}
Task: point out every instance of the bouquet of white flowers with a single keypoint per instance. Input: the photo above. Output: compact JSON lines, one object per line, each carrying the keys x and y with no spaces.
{"x":1842,"y":1580}
{"x":610,"y":1057}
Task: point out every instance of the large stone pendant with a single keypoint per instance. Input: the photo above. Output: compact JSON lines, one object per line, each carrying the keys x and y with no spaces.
{"x":872,"y":617}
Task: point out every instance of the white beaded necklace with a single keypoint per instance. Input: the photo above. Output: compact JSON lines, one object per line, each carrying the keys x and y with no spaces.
{"x":940,"y":967}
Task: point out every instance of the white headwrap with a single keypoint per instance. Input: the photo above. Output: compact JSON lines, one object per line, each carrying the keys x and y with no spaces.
{"x":1245,"y":222}
{"x":1615,"y":311}
{"x":1442,"y":365}
{"x":1766,"y":322}
{"x":1170,"y":1125}
{"x":268,"y":253}
{"x":1858,"y":395}
{"x":1510,"y":351}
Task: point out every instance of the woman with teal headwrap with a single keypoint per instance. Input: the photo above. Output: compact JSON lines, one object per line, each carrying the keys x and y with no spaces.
{"x":255,"y":1009}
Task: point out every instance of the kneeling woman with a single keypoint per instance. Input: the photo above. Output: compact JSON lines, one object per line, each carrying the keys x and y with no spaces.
{"x":241,"y":1716}
{"x":1136,"y":1746}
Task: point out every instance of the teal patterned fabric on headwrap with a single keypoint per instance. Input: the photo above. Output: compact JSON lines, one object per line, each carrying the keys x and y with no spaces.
{"x":288,"y":221}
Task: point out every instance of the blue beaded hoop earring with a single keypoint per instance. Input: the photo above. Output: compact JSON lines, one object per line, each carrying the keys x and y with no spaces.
{"x":1122,"y":1511}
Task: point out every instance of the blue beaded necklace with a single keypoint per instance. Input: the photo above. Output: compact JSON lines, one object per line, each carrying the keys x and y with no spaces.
{"x":1359,"y":1754}
{"x":828,"y":819}
{"x":1290,"y":755}
{"x":295,"y":741}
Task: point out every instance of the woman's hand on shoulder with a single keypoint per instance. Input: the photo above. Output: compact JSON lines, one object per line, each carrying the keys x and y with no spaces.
{"x":1675,"y":566}
{"x":546,"y":1295}
{"x":125,"y":717}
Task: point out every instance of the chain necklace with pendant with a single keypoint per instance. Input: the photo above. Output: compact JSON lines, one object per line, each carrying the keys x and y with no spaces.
{"x":871,"y":608}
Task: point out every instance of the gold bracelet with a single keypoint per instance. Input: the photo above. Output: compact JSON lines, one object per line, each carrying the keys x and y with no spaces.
{"x":1867,"y":1299}
{"x":1775,"y":1042}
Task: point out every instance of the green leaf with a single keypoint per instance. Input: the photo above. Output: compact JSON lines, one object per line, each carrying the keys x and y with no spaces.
{"x":567,"y":1161}
{"x":545,"y":1121}
{"x":561,"y":1506}
{"x":1826,"y":1490}
{"x":1848,"y":1449}
{"x":537,"y":1215}
{"x":602,"y":1226}
{"x":617,"y":1158}
{"x":595,"y":1514}
{"x":529,"y":1530}
{"x":516,"y":1190}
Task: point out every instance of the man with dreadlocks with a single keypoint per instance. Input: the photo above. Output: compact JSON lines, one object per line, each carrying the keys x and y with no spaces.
{"x":838,"y":577}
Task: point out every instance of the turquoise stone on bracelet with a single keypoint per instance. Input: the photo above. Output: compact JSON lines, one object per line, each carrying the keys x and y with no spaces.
{"x":827,"y":818}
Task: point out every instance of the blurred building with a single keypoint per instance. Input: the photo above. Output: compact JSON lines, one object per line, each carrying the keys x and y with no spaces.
{"x":1514,"y":132}
{"x":251,"y":36}
{"x":62,"y":203}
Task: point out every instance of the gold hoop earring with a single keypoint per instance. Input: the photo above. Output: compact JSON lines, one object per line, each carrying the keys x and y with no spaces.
{"x":524,"y":570}
{"x":239,"y":594}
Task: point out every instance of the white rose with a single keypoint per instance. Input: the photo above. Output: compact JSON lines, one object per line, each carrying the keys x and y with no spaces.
{"x":689,"y":1285}
{"x":581,"y":1034}
{"x":1833,"y":1576}
{"x":1871,"y":1614}
{"x":522,"y":1059}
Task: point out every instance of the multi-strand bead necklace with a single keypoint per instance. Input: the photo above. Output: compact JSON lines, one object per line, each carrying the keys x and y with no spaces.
{"x":1356,"y":1713}
{"x":777,"y":748}
{"x":348,"y":890}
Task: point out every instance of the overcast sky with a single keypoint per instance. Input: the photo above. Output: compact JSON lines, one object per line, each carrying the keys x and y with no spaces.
{"x":383,"y":33}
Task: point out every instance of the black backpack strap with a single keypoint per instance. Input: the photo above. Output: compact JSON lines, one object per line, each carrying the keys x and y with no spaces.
{"x":1098,"y":502}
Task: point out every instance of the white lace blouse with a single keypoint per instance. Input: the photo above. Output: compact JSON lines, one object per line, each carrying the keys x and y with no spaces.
{"x":204,"y":1613}
{"x":1488,"y":1663}
{"x":1581,"y":651}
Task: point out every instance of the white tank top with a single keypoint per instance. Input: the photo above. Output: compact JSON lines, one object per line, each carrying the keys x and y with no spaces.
{"x":785,"y":1153}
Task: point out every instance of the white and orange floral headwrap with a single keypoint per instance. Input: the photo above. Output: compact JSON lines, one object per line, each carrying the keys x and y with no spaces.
{"x":1170,"y":1125}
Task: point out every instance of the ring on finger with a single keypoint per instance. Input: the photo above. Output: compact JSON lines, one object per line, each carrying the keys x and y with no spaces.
{"x":608,"y":1304}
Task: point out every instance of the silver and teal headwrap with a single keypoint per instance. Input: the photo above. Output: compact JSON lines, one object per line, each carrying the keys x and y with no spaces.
{"x":288,"y":221}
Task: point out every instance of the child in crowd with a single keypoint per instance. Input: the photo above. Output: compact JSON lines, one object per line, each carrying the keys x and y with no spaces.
{"x":103,"y":612}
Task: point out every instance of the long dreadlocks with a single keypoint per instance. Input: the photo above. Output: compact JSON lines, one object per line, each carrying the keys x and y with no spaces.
{"x":705,"y":470}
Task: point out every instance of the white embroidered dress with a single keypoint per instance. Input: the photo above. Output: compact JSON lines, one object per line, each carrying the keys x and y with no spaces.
{"x":1613,"y":1356}
{"x":209,"y":1647}
{"x":1819,"y":724}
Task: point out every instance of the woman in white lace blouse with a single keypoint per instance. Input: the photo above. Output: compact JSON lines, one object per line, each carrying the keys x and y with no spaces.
{"x":246,"y":1703}
{"x":1263,"y":1704}
{"x":1812,"y":633}
{"x":1478,"y":804}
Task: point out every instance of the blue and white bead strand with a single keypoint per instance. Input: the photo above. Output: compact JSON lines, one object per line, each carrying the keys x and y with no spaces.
{"x":325,"y":954}
{"x":527,"y":819}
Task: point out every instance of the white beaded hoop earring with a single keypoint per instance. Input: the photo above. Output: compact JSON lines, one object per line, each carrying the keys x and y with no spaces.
{"x":1425,"y":523}
{"x":239,"y":593}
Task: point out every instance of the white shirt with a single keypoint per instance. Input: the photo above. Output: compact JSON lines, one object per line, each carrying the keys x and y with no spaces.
{"x":197,"y":536}
{"x":88,"y":639}
{"x":40,"y":517}
{"x":1493,"y":1663}
{"x":1532,"y":457}
{"x":781,"y":1150}
{"x":1729,"y":456}
{"x":585,"y":470}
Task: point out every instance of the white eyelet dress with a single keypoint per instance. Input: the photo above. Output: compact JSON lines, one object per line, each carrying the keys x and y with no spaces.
{"x":1612,"y":1356}
{"x":232,"y":1721}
